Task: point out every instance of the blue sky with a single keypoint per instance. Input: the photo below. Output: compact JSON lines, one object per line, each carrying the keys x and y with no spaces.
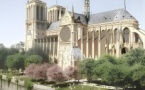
{"x":13,"y":15}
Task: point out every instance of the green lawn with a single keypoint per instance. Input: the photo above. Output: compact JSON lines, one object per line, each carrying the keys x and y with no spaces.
{"x":81,"y":87}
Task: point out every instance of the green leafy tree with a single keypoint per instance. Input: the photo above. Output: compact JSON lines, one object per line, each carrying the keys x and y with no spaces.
{"x":12,"y":51}
{"x":3,"y":55}
{"x":87,"y":67}
{"x":111,"y":71}
{"x":109,"y":58}
{"x":137,"y":75}
{"x":15,"y":61}
{"x":38,"y":51}
{"x":115,"y":75}
{"x":103,"y":64}
{"x":135,"y":59}
{"x":4,"y":52}
{"x":36,"y":59}
{"x":101,"y":69}
{"x":135,"y":56}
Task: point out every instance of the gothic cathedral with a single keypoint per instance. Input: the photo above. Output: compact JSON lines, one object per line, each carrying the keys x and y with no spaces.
{"x":68,"y":37}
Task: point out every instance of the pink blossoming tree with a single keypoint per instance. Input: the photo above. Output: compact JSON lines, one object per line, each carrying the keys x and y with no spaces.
{"x":40,"y":72}
{"x":29,"y":71}
{"x":55,"y":73}
{"x":71,"y":72}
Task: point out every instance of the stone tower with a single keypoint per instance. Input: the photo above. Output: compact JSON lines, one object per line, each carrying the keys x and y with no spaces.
{"x":36,"y":21}
{"x":87,"y":8}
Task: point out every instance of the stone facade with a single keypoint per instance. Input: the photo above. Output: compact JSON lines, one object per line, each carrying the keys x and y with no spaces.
{"x":57,"y":30}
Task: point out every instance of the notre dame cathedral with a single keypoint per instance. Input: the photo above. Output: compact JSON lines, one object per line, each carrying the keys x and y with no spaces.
{"x":67,"y":36}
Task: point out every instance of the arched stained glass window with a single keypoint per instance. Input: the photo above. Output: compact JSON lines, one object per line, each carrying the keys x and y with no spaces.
{"x":126,"y":35}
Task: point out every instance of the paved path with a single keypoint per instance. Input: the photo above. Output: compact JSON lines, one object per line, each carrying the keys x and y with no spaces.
{"x":84,"y":82}
{"x":41,"y":87}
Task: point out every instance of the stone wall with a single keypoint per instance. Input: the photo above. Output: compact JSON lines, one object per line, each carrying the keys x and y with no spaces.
{"x":5,"y":85}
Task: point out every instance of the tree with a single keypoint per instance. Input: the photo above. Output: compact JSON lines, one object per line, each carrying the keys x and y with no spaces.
{"x":86,"y":68}
{"x":15,"y":61}
{"x":137,"y":74}
{"x":135,"y":56}
{"x":4,"y":52}
{"x":104,"y":63}
{"x":12,"y":51}
{"x":29,"y":71}
{"x":126,"y":70}
{"x":135,"y":59}
{"x":71,"y":72}
{"x":112,"y":71}
{"x":101,"y":69}
{"x":40,"y":72}
{"x":9,"y":61}
{"x":36,"y":59}
{"x":108,"y":58}
{"x":38,"y":51}
{"x":55,"y":73}
{"x":3,"y":55}
{"x":115,"y":75}
{"x":37,"y":72}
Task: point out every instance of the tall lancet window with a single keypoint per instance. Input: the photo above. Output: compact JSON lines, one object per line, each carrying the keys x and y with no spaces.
{"x":37,"y":12}
{"x":126,"y":35}
{"x":115,"y":36}
{"x":110,"y":38}
{"x":50,"y":16}
{"x":42,"y":13}
{"x":136,"y":37}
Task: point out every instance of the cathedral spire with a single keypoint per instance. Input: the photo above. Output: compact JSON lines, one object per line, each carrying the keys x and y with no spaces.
{"x":72,"y":13}
{"x":125,"y":4}
{"x":87,"y":8}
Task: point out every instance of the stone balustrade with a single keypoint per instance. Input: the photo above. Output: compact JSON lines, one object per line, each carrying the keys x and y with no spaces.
{"x":12,"y":85}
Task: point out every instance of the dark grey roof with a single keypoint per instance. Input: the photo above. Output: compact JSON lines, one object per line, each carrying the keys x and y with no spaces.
{"x":82,"y":18}
{"x":58,"y":6}
{"x":37,"y":1}
{"x":54,"y":25}
{"x":103,"y":17}
{"x":110,"y":16}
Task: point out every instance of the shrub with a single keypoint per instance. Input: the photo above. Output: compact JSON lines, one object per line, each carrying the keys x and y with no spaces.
{"x":36,"y":59}
{"x":29,"y":71}
{"x":40,"y":72}
{"x":15,"y":61}
{"x":38,"y":51}
{"x":86,"y":68}
{"x":37,"y":72}
{"x":71,"y":72}
{"x":28,"y":84}
{"x":9,"y":77}
{"x":55,"y":73}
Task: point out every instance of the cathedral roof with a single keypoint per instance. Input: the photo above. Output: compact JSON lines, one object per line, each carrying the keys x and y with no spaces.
{"x":110,"y":16}
{"x":54,"y":25}
{"x":80,"y":17}
{"x":57,"y":6}
{"x":142,"y":31}
{"x":30,"y":1}
{"x":103,"y":17}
